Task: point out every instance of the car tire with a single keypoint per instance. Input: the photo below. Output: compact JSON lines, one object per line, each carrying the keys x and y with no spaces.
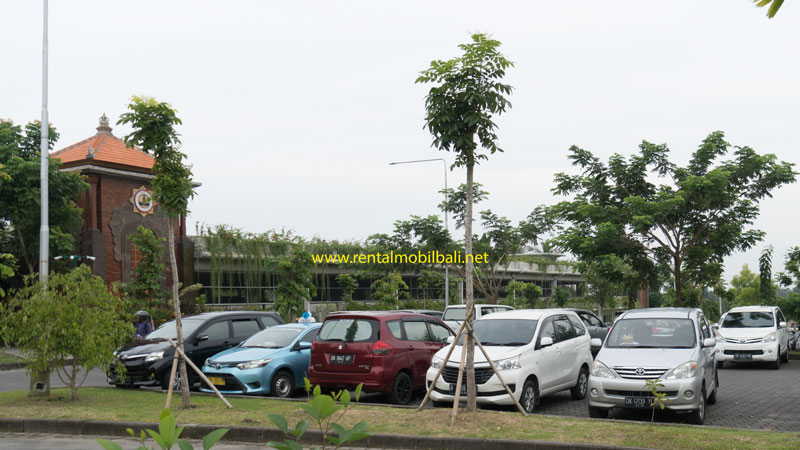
{"x":282,"y":385}
{"x":529,"y":396}
{"x":165,"y":381}
{"x":402,"y":389}
{"x":126,"y":386}
{"x":777,"y":363}
{"x":720,"y":364}
{"x":581,"y":386}
{"x":441,"y":404}
{"x":785,"y":357}
{"x":598,"y":413}
{"x":712,"y":399}
{"x":697,"y":416}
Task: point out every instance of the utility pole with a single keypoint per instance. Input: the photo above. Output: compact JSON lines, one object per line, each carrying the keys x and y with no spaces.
{"x":44,"y":229}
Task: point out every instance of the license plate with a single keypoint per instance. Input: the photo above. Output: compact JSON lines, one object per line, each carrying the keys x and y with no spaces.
{"x":638,"y":402}
{"x":217,"y":381}
{"x":463,"y":389}
{"x":342,"y":359}
{"x":743,"y":356}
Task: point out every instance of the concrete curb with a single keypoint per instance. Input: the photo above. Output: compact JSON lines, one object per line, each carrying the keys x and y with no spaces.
{"x":21,"y":365}
{"x":263,"y":435}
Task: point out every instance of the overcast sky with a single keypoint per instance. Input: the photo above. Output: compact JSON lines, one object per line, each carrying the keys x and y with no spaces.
{"x":292,"y":110}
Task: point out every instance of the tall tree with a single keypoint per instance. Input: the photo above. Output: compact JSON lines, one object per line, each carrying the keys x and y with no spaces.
{"x":698,"y":218}
{"x":468,"y":93}
{"x":19,"y":195}
{"x":145,"y":285}
{"x":774,"y":6}
{"x":765,"y":273}
{"x":154,"y":132}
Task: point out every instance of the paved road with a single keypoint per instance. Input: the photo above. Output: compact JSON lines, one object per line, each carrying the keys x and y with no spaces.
{"x":750,"y":396}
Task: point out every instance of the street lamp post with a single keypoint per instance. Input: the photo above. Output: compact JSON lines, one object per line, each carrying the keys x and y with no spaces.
{"x":446,"y":269}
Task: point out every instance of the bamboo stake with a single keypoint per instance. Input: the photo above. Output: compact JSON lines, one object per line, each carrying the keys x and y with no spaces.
{"x":457,"y":399}
{"x":171,"y":380}
{"x":444,"y":363}
{"x":180,"y":353}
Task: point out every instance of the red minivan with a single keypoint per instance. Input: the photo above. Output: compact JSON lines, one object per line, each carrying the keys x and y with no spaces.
{"x":388,"y":351}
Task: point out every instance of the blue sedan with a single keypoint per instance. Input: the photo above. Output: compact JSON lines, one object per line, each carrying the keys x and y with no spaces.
{"x":272,"y":361}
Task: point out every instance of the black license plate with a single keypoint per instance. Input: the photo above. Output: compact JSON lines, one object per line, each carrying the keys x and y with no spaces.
{"x":463,"y":389}
{"x":638,"y":402}
{"x":342,"y":359}
{"x":742,"y":356}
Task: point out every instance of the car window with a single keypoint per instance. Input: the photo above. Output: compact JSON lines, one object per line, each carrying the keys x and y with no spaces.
{"x":454,"y":314}
{"x":440,"y":332}
{"x":548,"y":330}
{"x":269,"y":321}
{"x":591,"y":320}
{"x":218,"y":330}
{"x":349,"y":330}
{"x":652,"y":333}
{"x":272,"y":338}
{"x":577,"y":324}
{"x":396,"y":328}
{"x":705,"y":330}
{"x":245,"y":327}
{"x":503,"y":332}
{"x":781,"y":318}
{"x":748,"y":319}
{"x":564,"y":329}
{"x":486,"y":310}
{"x":309,"y":337}
{"x":416,"y":330}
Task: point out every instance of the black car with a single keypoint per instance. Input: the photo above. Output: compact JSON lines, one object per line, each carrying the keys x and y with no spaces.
{"x":597,"y":328}
{"x":148,"y":361}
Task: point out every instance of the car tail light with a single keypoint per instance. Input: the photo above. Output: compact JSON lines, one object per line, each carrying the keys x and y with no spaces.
{"x":382,"y":348}
{"x":313,"y":345}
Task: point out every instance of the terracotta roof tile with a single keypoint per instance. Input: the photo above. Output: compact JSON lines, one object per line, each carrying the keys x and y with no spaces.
{"x":105,"y":148}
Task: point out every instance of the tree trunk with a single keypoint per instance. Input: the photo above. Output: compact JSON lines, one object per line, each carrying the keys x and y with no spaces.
{"x":185,"y":402}
{"x":470,"y":344}
{"x":677,"y":275}
{"x":24,"y":250}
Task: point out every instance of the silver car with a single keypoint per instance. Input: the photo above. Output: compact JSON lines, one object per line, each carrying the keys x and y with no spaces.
{"x":675,"y":346}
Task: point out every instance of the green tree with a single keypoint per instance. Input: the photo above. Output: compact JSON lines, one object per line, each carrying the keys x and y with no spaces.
{"x":605,"y":279}
{"x":697,"y":219}
{"x":348,"y":284}
{"x":76,"y":318}
{"x":20,"y":195}
{"x":746,"y":287}
{"x":774,"y":6}
{"x":389,"y":290}
{"x":561,"y":296}
{"x":765,"y":274}
{"x":154,"y":132}
{"x":532,"y":293}
{"x":145,"y":285}
{"x":295,"y":284}
{"x":456,"y":201}
{"x":468,"y":93}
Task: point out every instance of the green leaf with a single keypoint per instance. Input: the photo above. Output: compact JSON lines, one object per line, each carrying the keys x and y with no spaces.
{"x":345,"y":398}
{"x":317,"y":390}
{"x":108,"y":445}
{"x":213,"y":437}
{"x":358,"y":390}
{"x":184,"y":445}
{"x":301,"y":428}
{"x":311,"y":411}
{"x":159,"y":440}
{"x":280,"y":422}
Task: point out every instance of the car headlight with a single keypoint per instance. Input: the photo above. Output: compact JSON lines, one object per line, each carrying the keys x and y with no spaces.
{"x":600,"y":370}
{"x":685,"y":370}
{"x":508,"y":364}
{"x":436,"y":362}
{"x":155,"y":356}
{"x":770,"y":337}
{"x":254,"y":364}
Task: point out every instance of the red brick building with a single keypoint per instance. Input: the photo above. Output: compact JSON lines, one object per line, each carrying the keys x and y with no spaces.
{"x":118,"y":200}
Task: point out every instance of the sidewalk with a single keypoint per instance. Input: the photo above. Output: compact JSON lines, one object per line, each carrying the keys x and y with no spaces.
{"x":16,"y":365}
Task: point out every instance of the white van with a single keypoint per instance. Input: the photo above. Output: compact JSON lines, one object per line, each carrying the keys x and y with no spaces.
{"x":455,"y":314}
{"x":753,"y":333}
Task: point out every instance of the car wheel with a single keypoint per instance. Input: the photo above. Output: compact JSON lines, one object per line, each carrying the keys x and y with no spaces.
{"x":598,"y":413}
{"x":126,"y":386}
{"x":712,"y":399}
{"x":785,"y":356}
{"x":720,"y":364}
{"x":441,"y":404}
{"x":282,"y":384}
{"x":528,"y":397}
{"x":777,"y":364}
{"x":402,"y":389}
{"x":697,"y":416}
{"x":176,"y":385}
{"x":581,"y":386}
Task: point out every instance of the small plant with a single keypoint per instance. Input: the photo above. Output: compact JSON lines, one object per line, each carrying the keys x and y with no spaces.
{"x":167,"y":435}
{"x":658,"y":397}
{"x":322,"y":408}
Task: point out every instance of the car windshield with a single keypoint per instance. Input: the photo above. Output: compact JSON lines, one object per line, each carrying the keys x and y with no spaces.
{"x":504,"y":332}
{"x":272,"y":338}
{"x":749,"y":319}
{"x":455,"y":314}
{"x":167,"y":330}
{"x":652,"y":333}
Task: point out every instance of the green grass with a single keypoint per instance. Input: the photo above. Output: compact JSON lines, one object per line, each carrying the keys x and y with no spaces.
{"x":144,"y":406}
{"x":6,"y":358}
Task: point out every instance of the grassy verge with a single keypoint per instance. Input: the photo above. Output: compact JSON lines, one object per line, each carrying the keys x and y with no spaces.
{"x":6,"y":358}
{"x":144,"y":406}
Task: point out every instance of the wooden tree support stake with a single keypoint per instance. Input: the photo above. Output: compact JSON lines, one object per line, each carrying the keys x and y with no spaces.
{"x":179,"y":352}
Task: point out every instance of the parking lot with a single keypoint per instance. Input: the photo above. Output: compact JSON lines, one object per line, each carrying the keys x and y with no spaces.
{"x":750,"y":396}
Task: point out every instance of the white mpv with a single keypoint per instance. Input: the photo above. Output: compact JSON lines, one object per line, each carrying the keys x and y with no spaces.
{"x":753,"y":333}
{"x":537,"y":352}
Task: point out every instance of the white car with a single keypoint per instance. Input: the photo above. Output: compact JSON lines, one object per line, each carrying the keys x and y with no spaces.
{"x":753,"y":333}
{"x":537,"y":352}
{"x":454,"y":314}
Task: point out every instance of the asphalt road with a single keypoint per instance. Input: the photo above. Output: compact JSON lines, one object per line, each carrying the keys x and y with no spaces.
{"x":17,"y":380}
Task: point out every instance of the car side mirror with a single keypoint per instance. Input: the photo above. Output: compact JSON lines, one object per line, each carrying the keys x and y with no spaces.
{"x":545,"y":342}
{"x":782,"y":325}
{"x":596,"y":343}
{"x":607,"y":324}
{"x":451,"y":339}
{"x":303,"y":346}
{"x":715,"y":326}
{"x":709,"y":342}
{"x":201,"y":338}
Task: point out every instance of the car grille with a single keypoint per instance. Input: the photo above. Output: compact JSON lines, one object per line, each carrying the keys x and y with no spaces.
{"x":638,"y":393}
{"x":746,"y":352}
{"x":744,"y":341}
{"x":639,"y":373}
{"x":218,"y":366}
{"x":482,"y":375}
